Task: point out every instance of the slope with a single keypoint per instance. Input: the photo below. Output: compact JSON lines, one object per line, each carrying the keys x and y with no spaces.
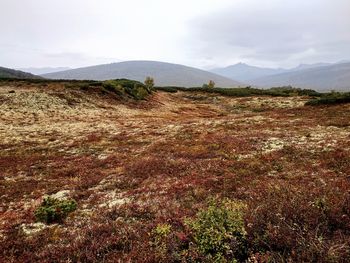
{"x":17,"y":74}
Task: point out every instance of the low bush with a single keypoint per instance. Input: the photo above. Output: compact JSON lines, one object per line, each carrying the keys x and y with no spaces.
{"x":53,"y":210}
{"x":218,"y":232}
{"x":245,"y":92}
{"x":330,"y":99}
{"x":170,"y":89}
{"x":290,"y":91}
{"x":134,"y":88}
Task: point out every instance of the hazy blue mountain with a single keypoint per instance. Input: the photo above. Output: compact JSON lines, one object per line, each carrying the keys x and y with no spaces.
{"x":308,"y":66}
{"x":243,"y":72}
{"x":45,"y":70}
{"x":322,"y":78}
{"x":16,"y":74}
{"x":164,"y":74}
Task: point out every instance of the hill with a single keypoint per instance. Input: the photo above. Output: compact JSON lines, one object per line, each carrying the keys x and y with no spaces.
{"x":164,"y":74}
{"x":16,"y":74}
{"x":324,"y":78}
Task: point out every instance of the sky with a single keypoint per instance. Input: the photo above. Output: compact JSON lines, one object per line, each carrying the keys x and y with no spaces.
{"x":199,"y":33}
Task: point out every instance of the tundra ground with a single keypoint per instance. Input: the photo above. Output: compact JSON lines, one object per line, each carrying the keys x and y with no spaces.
{"x":132,"y":165}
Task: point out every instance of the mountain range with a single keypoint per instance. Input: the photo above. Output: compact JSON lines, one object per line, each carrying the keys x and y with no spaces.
{"x":319,"y":76}
{"x":164,"y":74}
{"x":323,"y":78}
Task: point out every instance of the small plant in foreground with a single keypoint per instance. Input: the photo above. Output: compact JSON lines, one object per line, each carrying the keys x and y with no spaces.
{"x":160,"y":234}
{"x":54,"y":210}
{"x":218,"y":231}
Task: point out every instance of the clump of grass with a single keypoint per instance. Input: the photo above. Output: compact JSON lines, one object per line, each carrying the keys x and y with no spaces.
{"x":53,"y":210}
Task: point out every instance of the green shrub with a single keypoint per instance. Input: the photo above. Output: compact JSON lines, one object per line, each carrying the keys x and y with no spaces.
{"x":134,"y":88}
{"x":218,"y":231}
{"x":54,"y":210}
{"x":139,"y":92}
{"x":110,"y":85}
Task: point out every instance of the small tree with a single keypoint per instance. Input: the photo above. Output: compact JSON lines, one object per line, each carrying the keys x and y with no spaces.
{"x":149,"y":82}
{"x":211,"y":84}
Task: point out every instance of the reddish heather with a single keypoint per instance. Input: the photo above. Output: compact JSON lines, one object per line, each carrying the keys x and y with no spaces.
{"x":133,"y":165}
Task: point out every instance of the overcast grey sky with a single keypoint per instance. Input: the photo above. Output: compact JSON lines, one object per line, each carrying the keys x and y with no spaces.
{"x":200,"y":33}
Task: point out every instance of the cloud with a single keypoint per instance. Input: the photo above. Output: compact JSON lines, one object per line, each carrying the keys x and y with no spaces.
{"x":281,"y":32}
{"x":200,"y":33}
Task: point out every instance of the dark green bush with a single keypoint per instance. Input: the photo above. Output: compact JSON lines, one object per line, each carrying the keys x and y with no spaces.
{"x":330,"y":98}
{"x":53,"y":210}
{"x":290,"y":91}
{"x":167,"y":89}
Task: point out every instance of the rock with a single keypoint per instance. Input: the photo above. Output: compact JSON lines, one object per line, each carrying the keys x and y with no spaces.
{"x":62,"y":195}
